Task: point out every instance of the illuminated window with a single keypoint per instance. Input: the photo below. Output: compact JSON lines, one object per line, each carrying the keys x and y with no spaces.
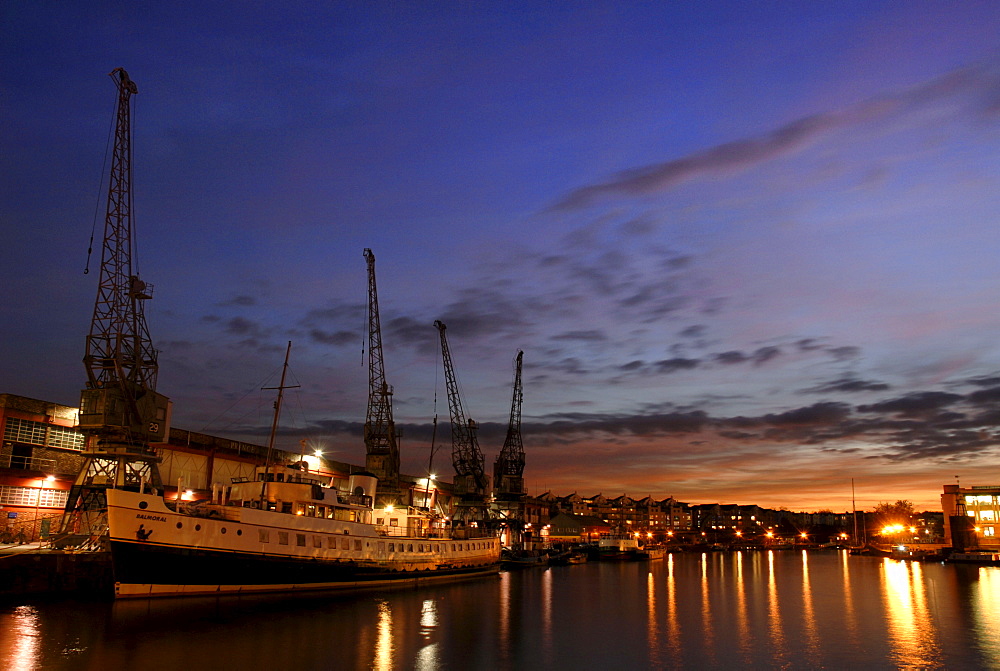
{"x":988,"y":531}
{"x":29,"y":496}
{"x":988,"y":515}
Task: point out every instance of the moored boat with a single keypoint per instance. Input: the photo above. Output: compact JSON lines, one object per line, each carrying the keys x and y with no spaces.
{"x":617,"y":546}
{"x":981,"y":558}
{"x":285,"y":531}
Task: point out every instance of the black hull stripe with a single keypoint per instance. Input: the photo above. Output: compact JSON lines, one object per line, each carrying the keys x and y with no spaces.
{"x":152,"y":570}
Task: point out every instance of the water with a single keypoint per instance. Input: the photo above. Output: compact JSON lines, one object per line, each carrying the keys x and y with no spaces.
{"x":789,"y":610}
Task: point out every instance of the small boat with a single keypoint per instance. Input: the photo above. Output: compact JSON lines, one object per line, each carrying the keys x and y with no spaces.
{"x":617,"y":547}
{"x":652,"y":552}
{"x":568,"y":557}
{"x":981,"y":558}
{"x":514,"y":559}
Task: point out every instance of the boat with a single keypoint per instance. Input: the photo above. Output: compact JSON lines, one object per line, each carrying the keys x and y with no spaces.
{"x":981,"y":558}
{"x":515,"y":559}
{"x":568,"y":557}
{"x":617,"y":546}
{"x":652,"y":552}
{"x":289,"y":531}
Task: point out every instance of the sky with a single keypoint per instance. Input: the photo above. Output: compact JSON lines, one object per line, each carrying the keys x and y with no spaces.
{"x":750,"y":250}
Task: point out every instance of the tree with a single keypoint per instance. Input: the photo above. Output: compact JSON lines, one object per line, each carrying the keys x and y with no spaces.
{"x":899,"y":512}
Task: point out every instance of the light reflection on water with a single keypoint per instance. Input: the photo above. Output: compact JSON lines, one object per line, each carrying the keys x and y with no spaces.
{"x":714,"y":610}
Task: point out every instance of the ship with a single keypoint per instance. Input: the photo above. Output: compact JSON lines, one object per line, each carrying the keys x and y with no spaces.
{"x":287,"y":530}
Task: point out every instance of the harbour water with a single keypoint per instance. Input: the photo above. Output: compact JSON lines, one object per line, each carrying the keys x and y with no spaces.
{"x":788,"y":610}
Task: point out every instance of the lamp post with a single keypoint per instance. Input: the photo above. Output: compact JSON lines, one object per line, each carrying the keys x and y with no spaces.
{"x":38,"y":504}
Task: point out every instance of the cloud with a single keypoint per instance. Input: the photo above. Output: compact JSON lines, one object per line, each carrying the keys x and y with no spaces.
{"x":239,"y":301}
{"x":675,"y":364}
{"x":918,"y":404}
{"x":335,"y":338}
{"x":728,"y":156}
{"x":586,"y":336}
{"x":847,"y":385}
{"x":745,"y":153}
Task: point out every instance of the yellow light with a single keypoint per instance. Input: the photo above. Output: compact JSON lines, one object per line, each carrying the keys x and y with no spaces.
{"x":50,"y":478}
{"x":770,"y":534}
{"x":389,"y":508}
{"x":739,"y":533}
{"x":803,"y":534}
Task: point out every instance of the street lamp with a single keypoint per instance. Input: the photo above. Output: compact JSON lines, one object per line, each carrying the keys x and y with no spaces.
{"x":38,"y":504}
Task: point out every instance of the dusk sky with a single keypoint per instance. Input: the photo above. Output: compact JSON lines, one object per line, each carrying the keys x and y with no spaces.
{"x":750,"y":250}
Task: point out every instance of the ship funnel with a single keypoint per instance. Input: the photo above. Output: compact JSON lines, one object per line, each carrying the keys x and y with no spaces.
{"x":363,"y":483}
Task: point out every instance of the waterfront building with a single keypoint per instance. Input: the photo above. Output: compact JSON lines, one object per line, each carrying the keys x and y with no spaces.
{"x":39,"y":458}
{"x":568,"y":529}
{"x":982,"y":504}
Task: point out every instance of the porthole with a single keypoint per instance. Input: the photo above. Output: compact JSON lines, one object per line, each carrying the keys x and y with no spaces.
{"x":239,"y":532}
{"x":223,"y":529}
{"x":180,"y":525}
{"x":197,"y":527}
{"x":143,"y":505}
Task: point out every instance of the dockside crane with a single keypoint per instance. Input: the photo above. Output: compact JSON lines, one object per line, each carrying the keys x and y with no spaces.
{"x":381,"y":446}
{"x":508,"y":469}
{"x":471,"y":482}
{"x":120,"y":410}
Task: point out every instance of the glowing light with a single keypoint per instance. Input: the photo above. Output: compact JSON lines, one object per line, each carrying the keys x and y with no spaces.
{"x":50,"y":478}
{"x":770,"y":534}
{"x":389,"y":508}
{"x":739,"y":533}
{"x":804,"y":534}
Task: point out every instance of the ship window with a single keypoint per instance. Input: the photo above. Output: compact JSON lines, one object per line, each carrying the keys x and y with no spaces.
{"x":180,"y":525}
{"x":317,"y":541}
{"x":357,"y":544}
{"x":420,"y":548}
{"x":380,"y":521}
{"x":239,"y":532}
{"x":282,"y":538}
{"x":311,"y":510}
{"x":223,"y":529}
{"x":300,"y":540}
{"x":392,"y":547}
{"x":393,"y":522}
{"x":331,"y":543}
{"x":345,"y":544}
{"x":263,"y":536}
{"x":286,"y":507}
{"x":409,"y":547}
